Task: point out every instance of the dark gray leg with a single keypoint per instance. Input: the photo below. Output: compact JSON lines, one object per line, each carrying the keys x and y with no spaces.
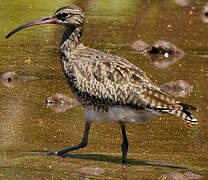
{"x":82,"y":144}
{"x":125,"y":143}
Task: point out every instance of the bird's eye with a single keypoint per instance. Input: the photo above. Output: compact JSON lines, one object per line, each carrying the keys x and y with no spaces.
{"x":62,"y":16}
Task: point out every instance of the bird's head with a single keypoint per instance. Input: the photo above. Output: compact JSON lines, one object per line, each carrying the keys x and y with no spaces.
{"x":70,"y":16}
{"x":67,"y":16}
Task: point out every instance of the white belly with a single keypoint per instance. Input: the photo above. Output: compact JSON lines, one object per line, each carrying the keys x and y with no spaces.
{"x":119,"y":113}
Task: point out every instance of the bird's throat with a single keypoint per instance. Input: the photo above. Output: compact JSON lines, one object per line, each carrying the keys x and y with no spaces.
{"x":71,"y":38}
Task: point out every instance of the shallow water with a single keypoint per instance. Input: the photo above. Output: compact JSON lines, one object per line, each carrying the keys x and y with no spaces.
{"x":27,"y":126}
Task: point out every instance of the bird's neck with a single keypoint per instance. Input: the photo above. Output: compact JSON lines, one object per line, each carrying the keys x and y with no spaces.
{"x":71,"y":38}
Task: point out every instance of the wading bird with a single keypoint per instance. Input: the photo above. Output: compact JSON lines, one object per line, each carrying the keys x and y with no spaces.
{"x":109,"y":87}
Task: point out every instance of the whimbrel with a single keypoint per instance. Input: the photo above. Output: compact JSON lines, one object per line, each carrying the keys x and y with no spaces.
{"x":109,"y":87}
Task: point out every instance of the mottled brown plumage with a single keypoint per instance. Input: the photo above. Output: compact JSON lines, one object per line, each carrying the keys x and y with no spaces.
{"x":109,"y":87}
{"x":103,"y":80}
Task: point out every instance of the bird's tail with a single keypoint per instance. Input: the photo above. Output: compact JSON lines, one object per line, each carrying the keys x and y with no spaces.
{"x":183,"y":113}
{"x":164,"y":103}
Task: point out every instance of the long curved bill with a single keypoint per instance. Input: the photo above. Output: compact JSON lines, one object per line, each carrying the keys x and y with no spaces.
{"x":46,"y":20}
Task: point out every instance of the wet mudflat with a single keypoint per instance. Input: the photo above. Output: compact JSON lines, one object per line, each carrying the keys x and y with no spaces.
{"x":28,"y":127}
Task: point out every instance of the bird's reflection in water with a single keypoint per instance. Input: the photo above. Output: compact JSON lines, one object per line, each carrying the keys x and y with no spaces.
{"x":123,"y":172}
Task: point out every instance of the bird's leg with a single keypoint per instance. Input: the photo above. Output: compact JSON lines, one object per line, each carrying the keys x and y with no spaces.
{"x":82,"y":144}
{"x":125,"y":143}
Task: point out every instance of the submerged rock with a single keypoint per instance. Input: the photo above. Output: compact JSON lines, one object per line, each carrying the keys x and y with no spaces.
{"x":163,"y":54}
{"x":180,"y":176}
{"x":61,"y":102}
{"x":139,"y":45}
{"x":94,"y":171}
{"x":191,"y":175}
{"x":179,"y":88}
{"x":204,"y":13}
{"x":183,"y":2}
{"x":9,"y":79}
{"x":205,"y":10}
{"x":174,"y":176}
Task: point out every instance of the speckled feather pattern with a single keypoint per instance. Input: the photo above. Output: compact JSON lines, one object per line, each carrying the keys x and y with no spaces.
{"x":102,"y":81}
